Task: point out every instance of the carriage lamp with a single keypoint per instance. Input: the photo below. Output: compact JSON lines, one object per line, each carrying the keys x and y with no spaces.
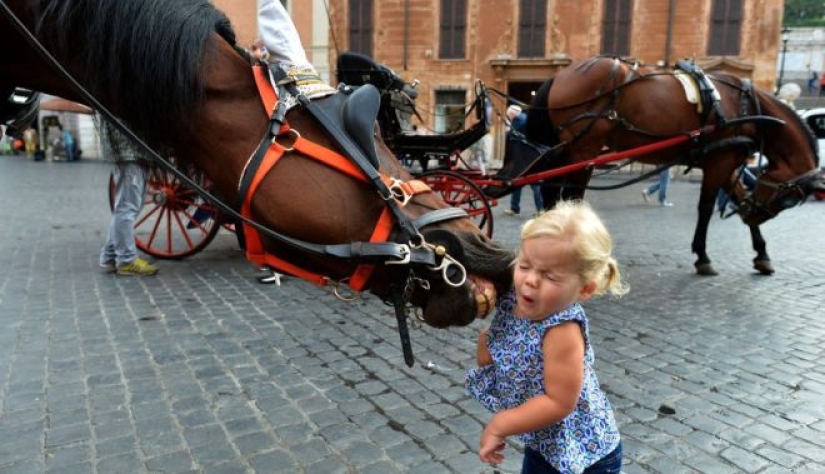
{"x":785,"y":35}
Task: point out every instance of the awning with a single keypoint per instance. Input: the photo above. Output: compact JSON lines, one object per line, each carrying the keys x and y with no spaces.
{"x":56,"y":104}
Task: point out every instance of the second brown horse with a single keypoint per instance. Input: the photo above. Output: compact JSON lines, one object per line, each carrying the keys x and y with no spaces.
{"x":606,"y":104}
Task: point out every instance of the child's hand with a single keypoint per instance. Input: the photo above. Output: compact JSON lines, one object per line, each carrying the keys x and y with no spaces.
{"x":491,"y":447}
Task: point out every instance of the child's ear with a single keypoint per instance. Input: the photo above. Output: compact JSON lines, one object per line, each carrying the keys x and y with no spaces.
{"x":587,"y":290}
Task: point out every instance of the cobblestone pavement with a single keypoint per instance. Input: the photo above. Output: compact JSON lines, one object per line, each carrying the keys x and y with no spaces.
{"x":202,"y":369}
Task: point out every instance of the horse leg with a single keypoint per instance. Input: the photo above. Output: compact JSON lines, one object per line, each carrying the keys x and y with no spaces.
{"x":762,"y":263}
{"x":570,"y":186}
{"x":703,"y":264}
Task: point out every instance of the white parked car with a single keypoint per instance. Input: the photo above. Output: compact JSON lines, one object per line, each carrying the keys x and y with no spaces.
{"x":815,"y":118}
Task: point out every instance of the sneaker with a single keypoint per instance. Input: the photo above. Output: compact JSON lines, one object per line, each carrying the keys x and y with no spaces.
{"x":645,"y":195}
{"x":108,"y":267}
{"x":667,"y":204}
{"x":137,"y":267}
{"x":510,"y":212}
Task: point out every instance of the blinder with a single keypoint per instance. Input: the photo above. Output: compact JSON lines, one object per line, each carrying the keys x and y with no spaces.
{"x":785,"y":195}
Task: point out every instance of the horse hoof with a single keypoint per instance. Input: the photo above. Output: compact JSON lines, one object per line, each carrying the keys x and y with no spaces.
{"x":705,"y":269}
{"x":764,"y":267}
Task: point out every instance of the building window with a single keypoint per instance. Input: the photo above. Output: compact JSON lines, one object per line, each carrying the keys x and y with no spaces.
{"x":725,"y":24}
{"x":360,"y":26}
{"x":449,"y":110}
{"x":453,"y":29}
{"x":616,"y":25}
{"x":532,"y":28}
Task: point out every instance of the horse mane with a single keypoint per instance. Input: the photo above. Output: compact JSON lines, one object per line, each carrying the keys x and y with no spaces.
{"x":791,"y":115}
{"x":145,"y":55}
{"x":539,"y":127}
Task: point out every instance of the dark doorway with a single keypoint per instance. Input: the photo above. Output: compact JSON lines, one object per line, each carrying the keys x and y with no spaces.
{"x":523,"y":91}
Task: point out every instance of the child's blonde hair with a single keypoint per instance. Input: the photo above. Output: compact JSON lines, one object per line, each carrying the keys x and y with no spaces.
{"x":577,"y":222}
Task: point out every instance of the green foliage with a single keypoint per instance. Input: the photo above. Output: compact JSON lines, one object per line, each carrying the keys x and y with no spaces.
{"x":804,"y":13}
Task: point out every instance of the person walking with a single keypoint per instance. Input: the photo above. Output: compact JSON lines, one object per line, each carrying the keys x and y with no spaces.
{"x":119,"y":253}
{"x":660,"y":186}
{"x":822,"y":85}
{"x":536,"y":361}
{"x":30,"y":141}
{"x":517,"y":128}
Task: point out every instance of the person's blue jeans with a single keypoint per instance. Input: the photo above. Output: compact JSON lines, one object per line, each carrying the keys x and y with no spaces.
{"x":534,"y":463}
{"x":515,"y":198}
{"x":748,"y":178}
{"x":130,"y":186}
{"x":661,"y":186}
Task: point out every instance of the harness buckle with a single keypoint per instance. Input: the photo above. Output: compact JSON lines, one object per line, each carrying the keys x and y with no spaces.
{"x":406,"y":253}
{"x":348,"y":296}
{"x":399,"y":192}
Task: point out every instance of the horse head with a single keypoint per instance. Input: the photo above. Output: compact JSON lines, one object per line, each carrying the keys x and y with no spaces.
{"x":792,"y":172}
{"x":173,"y":73}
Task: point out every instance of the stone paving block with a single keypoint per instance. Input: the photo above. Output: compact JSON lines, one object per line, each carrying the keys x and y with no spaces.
{"x":745,"y":460}
{"x":254,"y":443}
{"x":279,"y":461}
{"x":124,"y":463}
{"x":330,"y":465}
{"x":213,"y":453}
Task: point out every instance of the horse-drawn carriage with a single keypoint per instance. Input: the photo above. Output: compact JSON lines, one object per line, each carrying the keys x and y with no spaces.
{"x":727,"y":121}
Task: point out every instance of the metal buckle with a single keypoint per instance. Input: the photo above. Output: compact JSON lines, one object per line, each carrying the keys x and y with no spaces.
{"x":398,"y":193}
{"x":353,"y":296}
{"x":292,"y":131}
{"x":405,"y":259}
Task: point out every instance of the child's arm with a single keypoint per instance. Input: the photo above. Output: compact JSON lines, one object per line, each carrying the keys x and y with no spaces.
{"x":483,"y":356}
{"x":563,"y":350}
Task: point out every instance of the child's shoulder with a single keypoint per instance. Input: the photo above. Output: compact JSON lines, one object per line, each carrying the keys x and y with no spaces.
{"x":574,"y":313}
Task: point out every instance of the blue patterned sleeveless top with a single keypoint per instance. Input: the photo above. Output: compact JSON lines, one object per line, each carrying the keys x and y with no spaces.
{"x":517,"y":374}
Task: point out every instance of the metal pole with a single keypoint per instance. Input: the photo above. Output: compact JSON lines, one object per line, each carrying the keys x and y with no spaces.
{"x":669,"y":40}
{"x":785,"y":38}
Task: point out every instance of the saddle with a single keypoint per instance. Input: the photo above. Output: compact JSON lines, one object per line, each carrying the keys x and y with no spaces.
{"x":709,"y":98}
{"x":353,"y":110}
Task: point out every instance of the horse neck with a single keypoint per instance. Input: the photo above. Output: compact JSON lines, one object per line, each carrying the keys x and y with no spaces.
{"x":790,"y":145}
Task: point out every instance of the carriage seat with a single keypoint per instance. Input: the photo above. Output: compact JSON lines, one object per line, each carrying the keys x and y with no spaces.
{"x":357,"y":69}
{"x":18,"y":108}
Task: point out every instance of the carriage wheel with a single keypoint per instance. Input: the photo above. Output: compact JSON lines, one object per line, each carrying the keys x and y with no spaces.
{"x":175,"y":222}
{"x":459,"y":191}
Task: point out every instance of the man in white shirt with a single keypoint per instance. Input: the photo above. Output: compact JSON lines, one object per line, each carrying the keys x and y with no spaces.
{"x":280,"y":36}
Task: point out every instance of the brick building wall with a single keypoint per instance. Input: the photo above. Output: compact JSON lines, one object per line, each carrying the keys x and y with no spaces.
{"x":406,"y":38}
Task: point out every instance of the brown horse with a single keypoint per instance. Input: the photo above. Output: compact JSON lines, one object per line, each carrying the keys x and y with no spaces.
{"x":172,"y":72}
{"x":606,"y":104}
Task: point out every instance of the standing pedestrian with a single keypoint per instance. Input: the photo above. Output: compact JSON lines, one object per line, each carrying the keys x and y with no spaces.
{"x":516,"y":130}
{"x":536,"y":361}
{"x":660,"y":186}
{"x":30,"y":141}
{"x":822,"y":85}
{"x":812,"y":83}
{"x":119,"y":253}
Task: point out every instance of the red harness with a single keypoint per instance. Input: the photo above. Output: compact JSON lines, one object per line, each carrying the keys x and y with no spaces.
{"x":255,"y":251}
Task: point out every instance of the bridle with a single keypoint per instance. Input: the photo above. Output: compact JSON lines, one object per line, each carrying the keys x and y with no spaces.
{"x":786,"y":194}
